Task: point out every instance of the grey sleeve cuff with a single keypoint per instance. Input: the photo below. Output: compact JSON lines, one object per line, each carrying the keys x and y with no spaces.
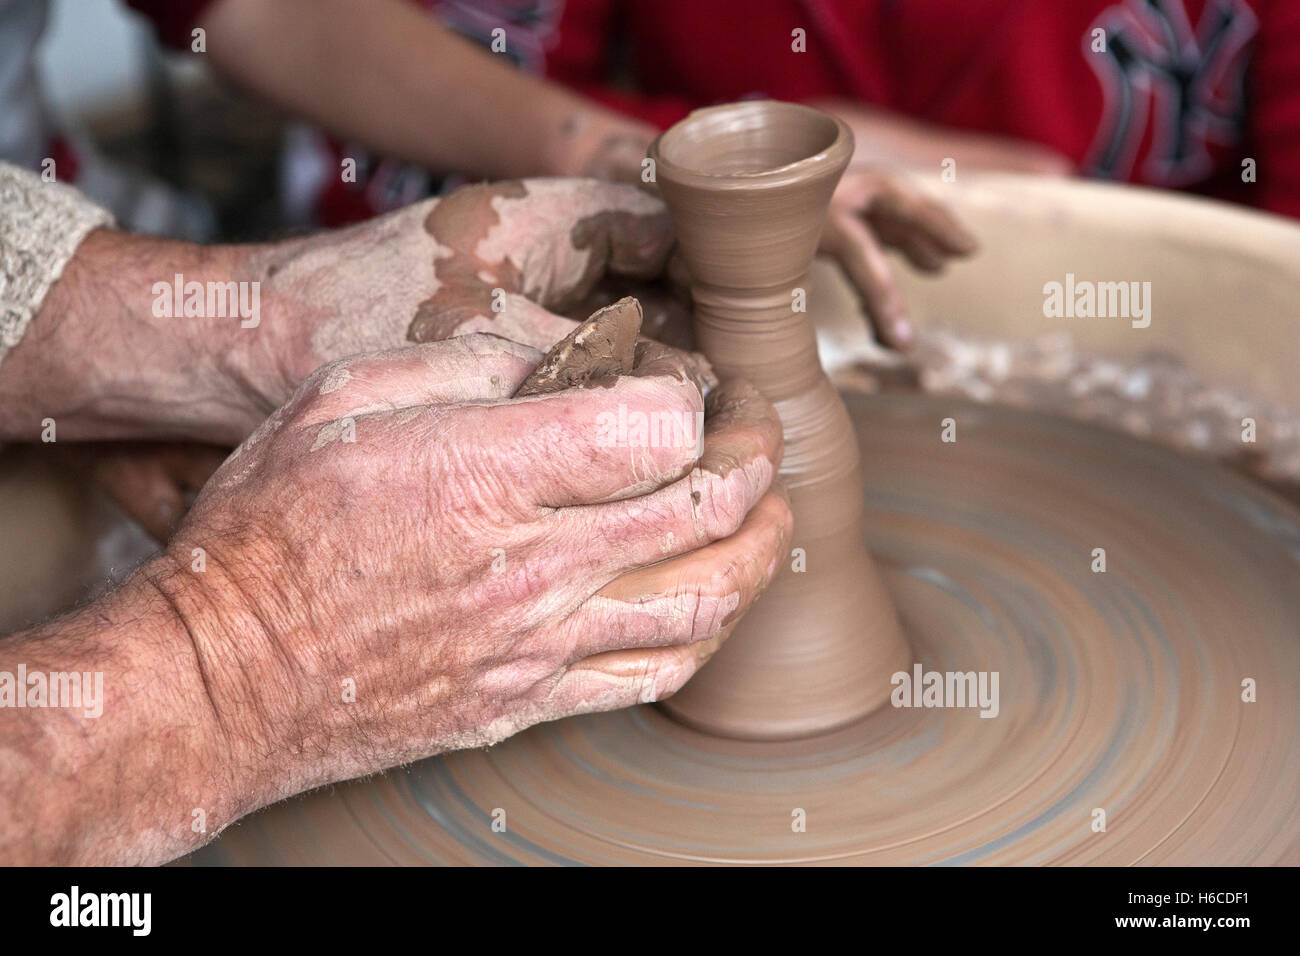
{"x":41,"y":225}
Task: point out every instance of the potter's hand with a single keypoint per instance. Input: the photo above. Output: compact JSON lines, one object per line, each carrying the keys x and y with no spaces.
{"x":154,"y":339}
{"x":871,"y":210}
{"x":491,"y":258}
{"x":470,"y":565}
{"x":498,"y":257}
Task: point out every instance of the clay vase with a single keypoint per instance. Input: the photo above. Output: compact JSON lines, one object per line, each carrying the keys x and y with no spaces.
{"x":748,"y":186}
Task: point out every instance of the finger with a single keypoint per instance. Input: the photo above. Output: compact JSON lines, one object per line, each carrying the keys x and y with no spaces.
{"x":921,"y":251}
{"x":193,"y":465}
{"x":154,"y":483}
{"x":913,"y":212}
{"x":475,"y":367}
{"x":688,"y":598}
{"x":617,"y":679}
{"x":862,"y":258}
{"x":147,"y":494}
{"x":519,"y":319}
{"x":741,"y":452}
{"x":582,"y":445}
{"x":607,"y":344}
{"x":654,"y":358}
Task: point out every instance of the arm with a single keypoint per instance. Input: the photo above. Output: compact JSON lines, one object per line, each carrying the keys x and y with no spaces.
{"x":390,"y":76}
{"x":883,"y":137}
{"x":100,"y":361}
{"x":140,"y":747}
{"x":105,"y":357}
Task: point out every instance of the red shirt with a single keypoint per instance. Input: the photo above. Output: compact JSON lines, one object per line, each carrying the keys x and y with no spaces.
{"x":1182,"y":93}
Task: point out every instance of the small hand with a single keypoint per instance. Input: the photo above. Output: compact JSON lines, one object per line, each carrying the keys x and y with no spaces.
{"x":871,"y":210}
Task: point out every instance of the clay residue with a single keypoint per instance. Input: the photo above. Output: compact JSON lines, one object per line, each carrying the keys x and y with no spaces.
{"x":596,"y":352}
{"x":654,"y":358}
{"x":465,"y":282}
{"x":1153,"y":396}
{"x":666,"y":311}
{"x":618,"y":241}
{"x":486,"y":235}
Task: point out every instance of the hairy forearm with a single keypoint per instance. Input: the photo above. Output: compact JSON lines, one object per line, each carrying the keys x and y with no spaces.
{"x":125,"y":763}
{"x":389,"y":76}
{"x":188,"y":712}
{"x":107,"y":355}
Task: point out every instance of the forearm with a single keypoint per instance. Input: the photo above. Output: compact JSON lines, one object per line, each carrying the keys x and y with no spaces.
{"x":389,"y":76}
{"x":107,"y":355}
{"x":113,"y":777}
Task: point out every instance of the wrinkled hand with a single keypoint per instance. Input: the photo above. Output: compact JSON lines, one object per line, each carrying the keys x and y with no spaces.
{"x":471,"y":564}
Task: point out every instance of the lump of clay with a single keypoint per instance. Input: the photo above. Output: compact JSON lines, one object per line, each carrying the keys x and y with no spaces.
{"x":602,"y":347}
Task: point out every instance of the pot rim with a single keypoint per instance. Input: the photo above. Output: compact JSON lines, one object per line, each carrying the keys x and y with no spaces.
{"x":830,"y":161}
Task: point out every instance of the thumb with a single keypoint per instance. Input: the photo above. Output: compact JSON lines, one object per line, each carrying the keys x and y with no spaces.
{"x":468,"y":368}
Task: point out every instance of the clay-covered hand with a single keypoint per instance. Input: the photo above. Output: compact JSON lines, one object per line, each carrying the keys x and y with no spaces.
{"x":871,"y":210}
{"x":497,"y":257}
{"x":404,"y":560}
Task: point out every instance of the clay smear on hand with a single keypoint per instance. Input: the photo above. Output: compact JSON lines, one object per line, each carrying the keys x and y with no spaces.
{"x":514,"y":237}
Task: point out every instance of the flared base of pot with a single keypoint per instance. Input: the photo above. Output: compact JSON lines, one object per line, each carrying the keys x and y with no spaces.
{"x":815,"y":654}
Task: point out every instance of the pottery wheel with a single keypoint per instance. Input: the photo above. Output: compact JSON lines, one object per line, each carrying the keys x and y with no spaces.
{"x":1119,"y":691}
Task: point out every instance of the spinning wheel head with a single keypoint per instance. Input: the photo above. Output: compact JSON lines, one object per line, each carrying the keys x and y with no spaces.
{"x":1119,"y":691}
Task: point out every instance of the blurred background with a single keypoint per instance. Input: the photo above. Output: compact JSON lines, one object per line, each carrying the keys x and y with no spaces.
{"x":147,"y":132}
{"x":1181,"y":94}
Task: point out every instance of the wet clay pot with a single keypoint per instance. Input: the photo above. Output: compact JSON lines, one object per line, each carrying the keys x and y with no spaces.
{"x":748,"y":186}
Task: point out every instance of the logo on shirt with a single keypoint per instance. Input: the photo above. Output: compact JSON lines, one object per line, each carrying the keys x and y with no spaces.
{"x":1183,"y":83}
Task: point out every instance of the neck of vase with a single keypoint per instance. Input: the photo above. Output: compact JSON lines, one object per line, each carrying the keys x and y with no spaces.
{"x":758,"y":335}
